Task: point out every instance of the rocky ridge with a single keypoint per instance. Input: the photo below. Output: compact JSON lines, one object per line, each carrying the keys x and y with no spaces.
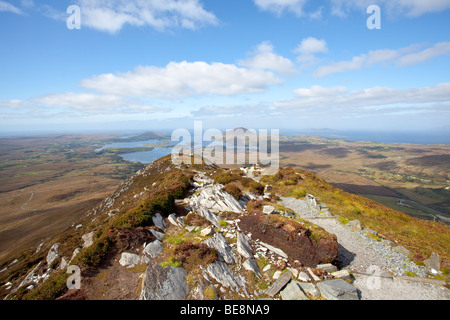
{"x":213,"y":247}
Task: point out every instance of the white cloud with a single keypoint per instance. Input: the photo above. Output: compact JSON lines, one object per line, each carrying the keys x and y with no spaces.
{"x":264,"y":57}
{"x":308,"y":49}
{"x":183,"y":79}
{"x":7,"y":7}
{"x":409,"y":8}
{"x":339,"y":99}
{"x":111,"y":16}
{"x":89,"y":103}
{"x":402,"y":57}
{"x":280,"y":6}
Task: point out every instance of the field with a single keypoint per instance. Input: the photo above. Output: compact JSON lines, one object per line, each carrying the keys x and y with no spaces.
{"x":410,"y":178}
{"x":48,"y":182}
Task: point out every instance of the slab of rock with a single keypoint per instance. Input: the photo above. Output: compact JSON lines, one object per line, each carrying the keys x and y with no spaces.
{"x":224,"y":250}
{"x":243,"y":246}
{"x":208,"y":215}
{"x":309,"y":288}
{"x":129,"y":260}
{"x":173,"y":220}
{"x":164,"y":283}
{"x":158,"y":235}
{"x":251,"y":265}
{"x":434,"y":262}
{"x":52,"y":254}
{"x":338,"y":289}
{"x":303,"y":276}
{"x":328,"y":267}
{"x":224,"y":275}
{"x":293,"y":292}
{"x":279,"y":284}
{"x":275,"y":250}
{"x":207,"y":232}
{"x":154,"y":248}
{"x":88,"y":239}
{"x":402,"y":250}
{"x":341,"y":274}
{"x":215,"y":199}
{"x":355,"y":224}
{"x":159,"y":221}
{"x":268,"y":209}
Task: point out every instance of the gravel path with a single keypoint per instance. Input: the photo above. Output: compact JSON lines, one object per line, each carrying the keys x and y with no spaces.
{"x":360,"y":253}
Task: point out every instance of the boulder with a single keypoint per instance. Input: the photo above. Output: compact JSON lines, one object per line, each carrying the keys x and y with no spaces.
{"x":224,"y":250}
{"x":293,"y":292}
{"x":243,"y":246}
{"x":164,"y":283}
{"x":159,"y":221}
{"x":158,"y":235}
{"x":303,"y":276}
{"x":341,"y":274}
{"x":338,"y":289}
{"x":154,"y":248}
{"x":208,"y":215}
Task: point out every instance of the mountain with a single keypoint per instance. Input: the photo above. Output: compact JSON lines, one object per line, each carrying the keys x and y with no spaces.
{"x":203,"y":232}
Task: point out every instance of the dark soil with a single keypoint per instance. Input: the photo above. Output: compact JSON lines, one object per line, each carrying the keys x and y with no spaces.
{"x":292,"y":238}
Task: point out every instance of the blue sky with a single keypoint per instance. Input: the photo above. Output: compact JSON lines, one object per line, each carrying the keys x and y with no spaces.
{"x":285,"y":64}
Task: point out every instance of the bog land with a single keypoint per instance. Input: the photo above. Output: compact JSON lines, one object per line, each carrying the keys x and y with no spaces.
{"x":407,"y":177}
{"x":48,"y":182}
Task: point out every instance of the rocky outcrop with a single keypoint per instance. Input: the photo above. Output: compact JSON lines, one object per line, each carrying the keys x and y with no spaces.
{"x":224,"y":250}
{"x":212,"y":197}
{"x":167,"y":283}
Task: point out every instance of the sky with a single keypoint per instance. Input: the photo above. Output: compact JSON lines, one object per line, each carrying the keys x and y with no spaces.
{"x":96,"y":65}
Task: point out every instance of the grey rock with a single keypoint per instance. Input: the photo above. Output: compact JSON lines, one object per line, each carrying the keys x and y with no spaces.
{"x":268,"y":209}
{"x":434,"y":262}
{"x":328,"y":267}
{"x":293,"y":292}
{"x":190,"y":228}
{"x":251,"y":265}
{"x":164,"y":283}
{"x":159,"y":221}
{"x":303,"y":276}
{"x":158,"y":235}
{"x":279,"y":284}
{"x":52,"y":254}
{"x":224,"y":250}
{"x":173,"y":220}
{"x":224,"y":275}
{"x":215,"y":199}
{"x":243,"y":246}
{"x":154,"y":248}
{"x":341,"y":274}
{"x":208,"y":215}
{"x":309,"y":288}
{"x":129,"y":260}
{"x":88,"y":239}
{"x":370,"y":231}
{"x":275,"y":250}
{"x":338,"y":289}
{"x":207,"y":232}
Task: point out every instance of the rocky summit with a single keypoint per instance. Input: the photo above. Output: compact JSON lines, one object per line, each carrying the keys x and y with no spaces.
{"x":196,"y":232}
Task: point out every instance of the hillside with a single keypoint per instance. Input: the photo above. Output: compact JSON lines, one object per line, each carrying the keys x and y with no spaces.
{"x":201,"y":232}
